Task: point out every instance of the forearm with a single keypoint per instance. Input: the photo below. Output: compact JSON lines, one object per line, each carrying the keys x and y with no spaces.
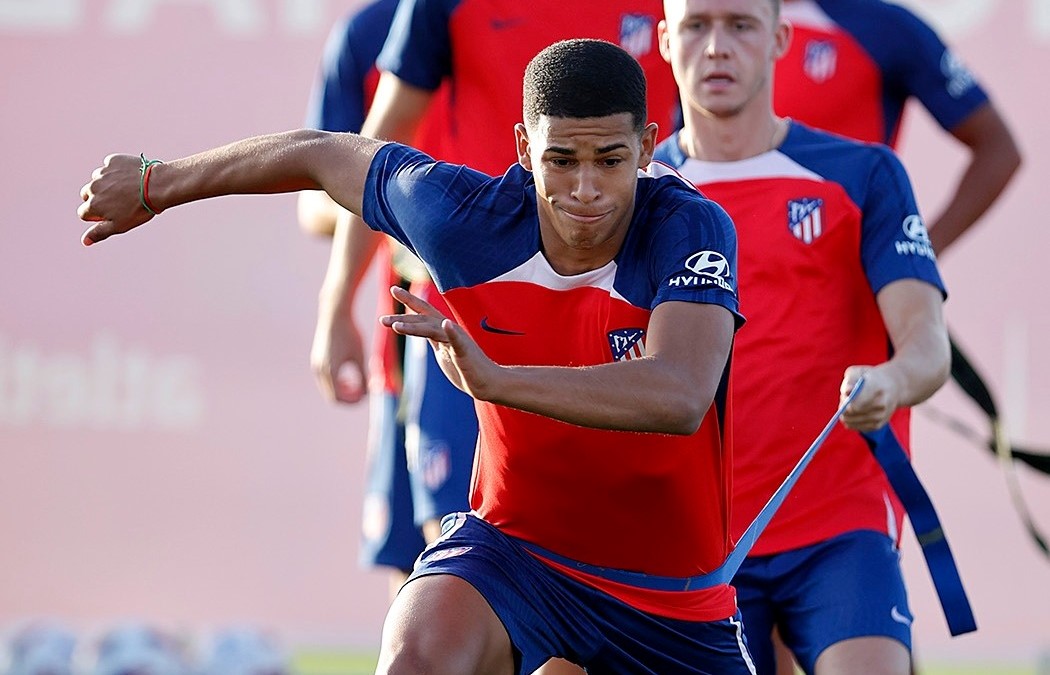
{"x":638,"y":395}
{"x":994,"y":158}
{"x":919,"y":368}
{"x":285,"y":162}
{"x":921,"y":359}
{"x":353,"y":247}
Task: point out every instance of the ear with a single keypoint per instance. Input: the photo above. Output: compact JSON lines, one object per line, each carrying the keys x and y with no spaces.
{"x":521,"y":139}
{"x":648,"y":145}
{"x":663,"y":39}
{"x":783,"y":35}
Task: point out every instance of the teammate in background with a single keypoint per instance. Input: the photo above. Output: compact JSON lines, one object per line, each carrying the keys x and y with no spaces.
{"x":399,"y":499}
{"x":837,"y":279}
{"x":852,"y":66}
{"x":577,"y":263}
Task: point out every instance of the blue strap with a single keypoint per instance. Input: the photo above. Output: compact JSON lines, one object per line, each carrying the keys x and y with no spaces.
{"x":727,"y":570}
{"x":895,"y":463}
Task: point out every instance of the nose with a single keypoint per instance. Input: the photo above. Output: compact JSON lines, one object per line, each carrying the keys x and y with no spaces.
{"x":717,"y":42}
{"x":586,"y":189}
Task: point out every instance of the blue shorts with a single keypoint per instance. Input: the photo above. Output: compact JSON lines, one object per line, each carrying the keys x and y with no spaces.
{"x":390,"y":536}
{"x":846,"y":587}
{"x":441,"y":432}
{"x":547,"y":614}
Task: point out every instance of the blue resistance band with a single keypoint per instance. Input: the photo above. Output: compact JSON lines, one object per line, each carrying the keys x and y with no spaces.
{"x":725,"y":572}
{"x":894,"y":462}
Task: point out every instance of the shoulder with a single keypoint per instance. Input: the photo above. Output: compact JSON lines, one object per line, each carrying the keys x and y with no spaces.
{"x":668,"y":203}
{"x":375,"y":17}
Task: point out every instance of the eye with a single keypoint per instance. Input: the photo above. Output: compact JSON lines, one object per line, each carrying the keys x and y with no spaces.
{"x":611,"y":162}
{"x":561,"y":162}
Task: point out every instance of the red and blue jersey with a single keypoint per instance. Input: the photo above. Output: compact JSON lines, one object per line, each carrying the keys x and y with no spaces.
{"x":481,"y":47}
{"x":823,"y":224}
{"x":651,"y":503}
{"x":853,"y":64}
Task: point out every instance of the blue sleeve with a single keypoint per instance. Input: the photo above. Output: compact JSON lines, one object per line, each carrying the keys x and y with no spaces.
{"x":928,"y":70}
{"x":695,"y":257}
{"x":894,"y":242}
{"x":419,"y":47}
{"x":337,"y":102}
{"x":412,"y":197}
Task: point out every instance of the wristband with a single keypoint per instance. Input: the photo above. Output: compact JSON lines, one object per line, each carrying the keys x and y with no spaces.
{"x":147,"y":166}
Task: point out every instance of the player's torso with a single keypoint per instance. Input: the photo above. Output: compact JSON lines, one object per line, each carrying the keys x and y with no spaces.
{"x":811,"y":312}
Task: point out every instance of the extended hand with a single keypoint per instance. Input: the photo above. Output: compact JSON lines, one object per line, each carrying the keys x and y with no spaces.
{"x":112,"y":200}
{"x":875,"y":404}
{"x":461,"y":359}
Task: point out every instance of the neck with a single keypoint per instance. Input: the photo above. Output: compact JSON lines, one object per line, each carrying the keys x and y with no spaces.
{"x":727,"y":139}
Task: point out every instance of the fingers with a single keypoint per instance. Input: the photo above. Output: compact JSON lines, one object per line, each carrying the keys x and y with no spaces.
{"x":421,"y":325}
{"x":98,"y":232}
{"x":414,"y":302}
{"x":873,"y":406}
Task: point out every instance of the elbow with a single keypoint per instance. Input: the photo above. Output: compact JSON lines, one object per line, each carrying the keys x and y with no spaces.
{"x":683,"y":416}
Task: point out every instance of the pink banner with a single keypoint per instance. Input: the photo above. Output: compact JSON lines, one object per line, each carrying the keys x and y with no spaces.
{"x":165,"y":452}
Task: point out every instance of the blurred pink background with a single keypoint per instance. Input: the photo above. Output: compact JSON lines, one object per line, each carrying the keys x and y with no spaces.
{"x":165,"y":452}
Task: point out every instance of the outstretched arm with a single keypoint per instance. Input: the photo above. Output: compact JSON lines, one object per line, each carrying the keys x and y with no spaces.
{"x":911,"y":310}
{"x":669,"y":390}
{"x":994,"y":158}
{"x":285,"y":162}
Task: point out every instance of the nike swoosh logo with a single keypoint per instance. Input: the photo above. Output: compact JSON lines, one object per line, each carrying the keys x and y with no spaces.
{"x":898,"y":617}
{"x":504,"y":24}
{"x":492,"y":329}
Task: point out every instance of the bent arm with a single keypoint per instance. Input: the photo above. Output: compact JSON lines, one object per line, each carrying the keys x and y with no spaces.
{"x":396,"y":112}
{"x":284,"y":162}
{"x":669,"y":390}
{"x":912,"y":312}
{"x":994,"y":158}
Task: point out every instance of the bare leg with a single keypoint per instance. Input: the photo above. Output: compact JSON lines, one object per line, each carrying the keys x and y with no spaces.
{"x":868,"y":655}
{"x":559,"y":667}
{"x":441,"y":625}
{"x":785,"y":659}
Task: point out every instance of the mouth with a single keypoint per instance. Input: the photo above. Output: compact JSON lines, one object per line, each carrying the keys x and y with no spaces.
{"x":719,"y":79}
{"x":585,"y":217}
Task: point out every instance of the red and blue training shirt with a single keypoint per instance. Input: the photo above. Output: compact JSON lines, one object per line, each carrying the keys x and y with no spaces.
{"x":823,"y":224}
{"x":853,"y":64}
{"x":644,"y":502}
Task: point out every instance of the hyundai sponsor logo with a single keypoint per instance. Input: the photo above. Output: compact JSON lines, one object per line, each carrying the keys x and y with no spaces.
{"x":918,"y":238}
{"x":709,"y":268}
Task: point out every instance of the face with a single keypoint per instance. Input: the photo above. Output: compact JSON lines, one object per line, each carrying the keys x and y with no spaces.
{"x":722,"y":52}
{"x":586,"y":172}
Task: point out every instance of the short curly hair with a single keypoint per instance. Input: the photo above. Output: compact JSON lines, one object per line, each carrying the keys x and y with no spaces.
{"x":584,"y":78}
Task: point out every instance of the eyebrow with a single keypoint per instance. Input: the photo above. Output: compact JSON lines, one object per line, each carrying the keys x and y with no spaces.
{"x":571,"y":153}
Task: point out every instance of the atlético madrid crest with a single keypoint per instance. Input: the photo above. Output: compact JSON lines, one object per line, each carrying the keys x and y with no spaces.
{"x":806,"y":218}
{"x":636,"y":34}
{"x":627,"y":343}
{"x":820,"y":60}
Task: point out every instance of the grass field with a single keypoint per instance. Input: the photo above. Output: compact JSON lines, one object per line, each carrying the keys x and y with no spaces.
{"x":349,"y":663}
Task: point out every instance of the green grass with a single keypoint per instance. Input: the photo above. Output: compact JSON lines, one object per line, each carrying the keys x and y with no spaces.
{"x":319,"y":662}
{"x":334,"y":662}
